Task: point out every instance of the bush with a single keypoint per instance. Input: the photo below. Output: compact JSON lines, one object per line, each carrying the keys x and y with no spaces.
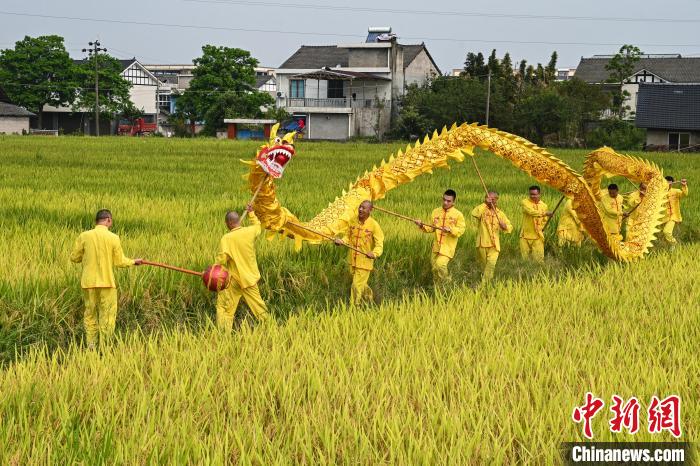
{"x":618,"y":134}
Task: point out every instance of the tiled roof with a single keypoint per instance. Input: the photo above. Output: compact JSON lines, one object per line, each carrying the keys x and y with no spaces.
{"x":668,"y":106}
{"x":675,"y":70}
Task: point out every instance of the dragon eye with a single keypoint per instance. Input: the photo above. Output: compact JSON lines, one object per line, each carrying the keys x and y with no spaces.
{"x":278,"y":140}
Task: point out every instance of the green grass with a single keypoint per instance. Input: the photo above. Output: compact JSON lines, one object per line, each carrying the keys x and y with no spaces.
{"x":479,"y":377}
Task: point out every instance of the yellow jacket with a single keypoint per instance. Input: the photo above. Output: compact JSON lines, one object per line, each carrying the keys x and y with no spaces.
{"x":568,"y":221}
{"x":237,"y":253}
{"x":673,"y":208}
{"x":446,"y":243}
{"x":367,"y":237}
{"x":100,"y":251}
{"x":488,"y":228}
{"x":534,"y":219}
{"x":631,"y":203}
{"x":612,"y":212}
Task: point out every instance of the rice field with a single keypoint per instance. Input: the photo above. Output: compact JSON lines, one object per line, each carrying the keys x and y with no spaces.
{"x":476,"y":375}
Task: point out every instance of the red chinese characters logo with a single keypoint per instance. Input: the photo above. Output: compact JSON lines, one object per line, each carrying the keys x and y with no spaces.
{"x":663,"y":415}
{"x":626,"y":415}
{"x":586,"y":412}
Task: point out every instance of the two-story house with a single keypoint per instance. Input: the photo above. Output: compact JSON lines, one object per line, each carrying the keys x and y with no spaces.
{"x":347,"y":90}
{"x":663,"y":96}
{"x":143,"y":94}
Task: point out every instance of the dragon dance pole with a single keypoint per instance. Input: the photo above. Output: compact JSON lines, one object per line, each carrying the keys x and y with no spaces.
{"x":172,"y":267}
{"x":257,"y":191}
{"x":396,"y":214}
{"x":480,"y":177}
{"x":328,"y":237}
{"x":553,"y":212}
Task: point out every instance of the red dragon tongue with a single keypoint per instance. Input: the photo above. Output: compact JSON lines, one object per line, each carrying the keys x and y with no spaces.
{"x":282,"y":159}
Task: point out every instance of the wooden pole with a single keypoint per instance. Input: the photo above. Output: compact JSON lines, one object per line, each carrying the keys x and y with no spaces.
{"x":172,"y":267}
{"x":553,"y":212}
{"x":257,"y":191}
{"x":328,"y":237}
{"x":396,"y":214}
{"x":480,"y":177}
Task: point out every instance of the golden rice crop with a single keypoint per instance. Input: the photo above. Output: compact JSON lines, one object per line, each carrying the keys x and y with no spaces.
{"x":169,"y":198}
{"x":472,"y":377}
{"x":477,"y":377}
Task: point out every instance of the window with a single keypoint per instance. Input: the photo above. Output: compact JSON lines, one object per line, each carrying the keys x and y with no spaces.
{"x":164,"y":101}
{"x":296,"y":88}
{"x":335,"y":89}
{"x":678,"y":141}
{"x":136,"y":75}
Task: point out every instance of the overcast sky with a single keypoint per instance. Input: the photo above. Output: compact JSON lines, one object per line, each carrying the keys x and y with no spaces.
{"x":273,"y":29}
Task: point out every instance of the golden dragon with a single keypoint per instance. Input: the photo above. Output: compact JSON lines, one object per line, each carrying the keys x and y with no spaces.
{"x":453,"y":144}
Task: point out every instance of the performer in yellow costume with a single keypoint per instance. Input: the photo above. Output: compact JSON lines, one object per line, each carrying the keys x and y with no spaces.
{"x":611,"y":207}
{"x":237,"y":254}
{"x":100,"y":250}
{"x":673,"y":208}
{"x":569,"y":230}
{"x":632,"y":214}
{"x":452,"y":221}
{"x":365,"y":234}
{"x":490,"y":222}
{"x":535,"y":215}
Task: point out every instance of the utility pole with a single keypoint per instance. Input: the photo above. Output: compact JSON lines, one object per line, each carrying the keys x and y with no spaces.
{"x":93,"y":52}
{"x":488,"y":97}
{"x":157,"y":103}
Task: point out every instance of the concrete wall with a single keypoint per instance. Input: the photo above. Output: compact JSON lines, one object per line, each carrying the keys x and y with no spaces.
{"x":328,"y":126}
{"x":144,"y":97}
{"x":659,"y":137}
{"x":368,"y":58}
{"x":12,"y":125}
{"x":420,"y":69}
{"x":631,"y":102}
{"x":365,"y":124}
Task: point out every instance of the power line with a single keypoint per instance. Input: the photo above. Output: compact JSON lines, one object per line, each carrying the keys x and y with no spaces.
{"x":446,"y":13}
{"x":334,"y":34}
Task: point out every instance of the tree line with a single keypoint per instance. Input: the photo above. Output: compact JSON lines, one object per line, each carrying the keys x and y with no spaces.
{"x":38,"y":71}
{"x":526,"y":100}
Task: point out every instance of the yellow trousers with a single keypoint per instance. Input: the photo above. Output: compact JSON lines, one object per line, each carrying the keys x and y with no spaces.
{"x":100,"y":313}
{"x":569,"y":237}
{"x":439,"y":264}
{"x":487,"y":258}
{"x":360,"y":290}
{"x":532,"y":249}
{"x":227,"y":302}
{"x":668,"y":231}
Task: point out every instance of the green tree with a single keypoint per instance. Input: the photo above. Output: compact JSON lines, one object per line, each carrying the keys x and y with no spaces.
{"x":542,"y":113}
{"x":586,"y":103}
{"x":114,"y":98}
{"x":474,"y":66}
{"x":550,"y":70}
{"x":38,"y":72}
{"x":223,"y":85}
{"x":621,"y":66}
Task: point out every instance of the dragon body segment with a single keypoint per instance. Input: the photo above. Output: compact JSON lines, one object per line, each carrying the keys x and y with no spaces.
{"x":452,"y":145}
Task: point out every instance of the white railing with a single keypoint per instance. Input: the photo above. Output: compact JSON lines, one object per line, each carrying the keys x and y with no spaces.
{"x":342,"y":102}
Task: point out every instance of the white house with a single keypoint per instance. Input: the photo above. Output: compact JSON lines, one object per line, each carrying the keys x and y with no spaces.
{"x":347,"y":90}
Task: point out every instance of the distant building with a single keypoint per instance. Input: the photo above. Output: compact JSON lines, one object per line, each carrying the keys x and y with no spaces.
{"x":346,"y":90}
{"x":13,"y":119}
{"x":564,"y":74}
{"x":143,"y":94}
{"x":671,"y":115}
{"x":663,"y":69}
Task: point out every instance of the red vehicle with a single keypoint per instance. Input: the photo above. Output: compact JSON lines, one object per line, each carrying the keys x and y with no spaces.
{"x":138,"y":127}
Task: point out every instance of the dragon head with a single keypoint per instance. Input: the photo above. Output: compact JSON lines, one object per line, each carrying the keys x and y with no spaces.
{"x":275,"y":155}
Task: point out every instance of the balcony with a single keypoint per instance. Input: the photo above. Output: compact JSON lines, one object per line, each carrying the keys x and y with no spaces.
{"x":308,"y":102}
